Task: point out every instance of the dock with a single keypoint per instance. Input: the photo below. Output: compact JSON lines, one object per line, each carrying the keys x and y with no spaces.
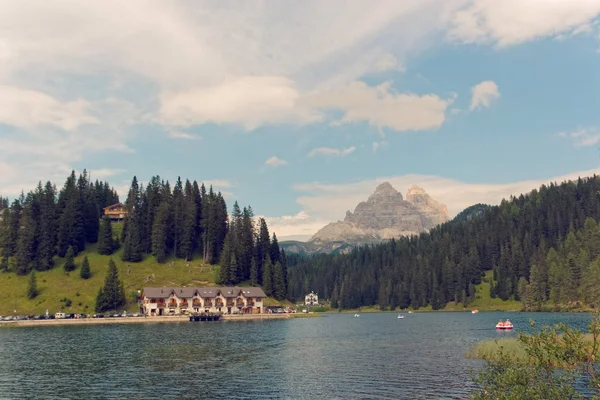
{"x":205,"y":317}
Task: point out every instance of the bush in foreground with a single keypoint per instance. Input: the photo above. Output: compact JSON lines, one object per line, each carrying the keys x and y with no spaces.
{"x":553,"y":359}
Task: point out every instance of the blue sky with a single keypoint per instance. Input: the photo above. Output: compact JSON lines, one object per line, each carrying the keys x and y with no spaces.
{"x":301,"y":108}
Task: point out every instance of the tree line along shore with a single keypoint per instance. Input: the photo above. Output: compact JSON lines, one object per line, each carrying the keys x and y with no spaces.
{"x":536,"y":251}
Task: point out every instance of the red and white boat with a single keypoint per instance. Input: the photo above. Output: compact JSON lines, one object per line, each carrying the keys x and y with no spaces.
{"x":506,"y":325}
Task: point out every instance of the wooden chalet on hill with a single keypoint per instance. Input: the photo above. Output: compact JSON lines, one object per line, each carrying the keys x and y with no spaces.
{"x":116,"y":212}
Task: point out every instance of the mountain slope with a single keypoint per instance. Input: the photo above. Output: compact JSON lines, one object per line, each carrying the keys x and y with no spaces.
{"x":55,"y":285}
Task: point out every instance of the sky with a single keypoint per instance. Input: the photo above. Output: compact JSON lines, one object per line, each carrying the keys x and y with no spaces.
{"x":301,"y":108}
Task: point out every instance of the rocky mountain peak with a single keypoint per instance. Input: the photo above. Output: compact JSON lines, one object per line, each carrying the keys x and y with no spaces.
{"x":414,"y":190}
{"x":385,"y":215}
{"x":385,"y":187}
{"x":384,"y":192}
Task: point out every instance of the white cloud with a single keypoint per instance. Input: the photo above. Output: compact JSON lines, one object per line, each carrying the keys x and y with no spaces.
{"x":28,"y":109}
{"x":376,"y":146}
{"x":331,"y":151}
{"x":214,"y":40}
{"x":299,"y":226}
{"x":483,"y":94}
{"x":252,"y":65}
{"x":186,"y":63}
{"x":217,"y":183}
{"x":247,"y":101}
{"x":511,"y":22}
{"x":176,"y":134}
{"x":103,"y":173}
{"x":388,"y":62}
{"x":583,"y":137}
{"x":381,"y":106}
{"x":323,"y":203}
{"x":45,"y":151}
{"x":275,"y":162}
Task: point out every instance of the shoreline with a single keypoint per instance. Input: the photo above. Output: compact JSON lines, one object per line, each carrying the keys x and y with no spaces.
{"x":137,"y":320}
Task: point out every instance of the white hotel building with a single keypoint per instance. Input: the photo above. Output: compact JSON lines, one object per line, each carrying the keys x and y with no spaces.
{"x":187,"y":300}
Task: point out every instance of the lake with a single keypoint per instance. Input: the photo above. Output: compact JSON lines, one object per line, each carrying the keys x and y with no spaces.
{"x":335,"y":356}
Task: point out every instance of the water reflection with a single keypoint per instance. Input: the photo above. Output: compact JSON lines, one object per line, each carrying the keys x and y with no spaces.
{"x":375,"y":356}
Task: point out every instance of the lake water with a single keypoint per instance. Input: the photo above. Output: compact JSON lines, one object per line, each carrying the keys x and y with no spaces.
{"x":333,"y":357}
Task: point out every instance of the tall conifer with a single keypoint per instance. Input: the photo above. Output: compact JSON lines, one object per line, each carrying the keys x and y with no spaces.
{"x":69,"y":260}
{"x":85,"y":272}
{"x":106,"y":245}
{"x":32,"y":289}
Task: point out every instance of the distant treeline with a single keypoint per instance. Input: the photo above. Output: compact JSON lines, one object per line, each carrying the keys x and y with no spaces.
{"x":540,"y":246}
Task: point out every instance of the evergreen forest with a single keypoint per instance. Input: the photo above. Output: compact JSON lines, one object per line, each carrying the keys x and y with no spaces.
{"x":185,"y":221}
{"x":542,"y":248}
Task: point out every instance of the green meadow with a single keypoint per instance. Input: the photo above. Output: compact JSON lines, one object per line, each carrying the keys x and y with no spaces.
{"x":58,"y":288}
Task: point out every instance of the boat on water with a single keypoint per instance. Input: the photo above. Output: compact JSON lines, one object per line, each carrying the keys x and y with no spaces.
{"x":400,"y":316}
{"x":474,"y":311}
{"x":506,"y":325}
{"x":410,"y":312}
{"x":356,"y":315}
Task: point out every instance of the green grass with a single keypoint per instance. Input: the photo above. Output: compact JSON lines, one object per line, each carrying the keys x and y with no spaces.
{"x":56,"y":284}
{"x":512,"y":346}
{"x":489,"y":349}
{"x":483,"y":301}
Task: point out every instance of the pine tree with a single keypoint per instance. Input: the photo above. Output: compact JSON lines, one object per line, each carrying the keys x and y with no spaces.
{"x":267,"y":280}
{"x":537,"y":287}
{"x":106,"y":244}
{"x":254,"y":272}
{"x":523,"y":295}
{"x":188,"y":223}
{"x":591,"y":284}
{"x":132,"y":244}
{"x":4,"y":263}
{"x":32,"y":289}
{"x":26,"y":242}
{"x":111,"y":296}
{"x":178,"y":216}
{"x":160,"y":232}
{"x":132,"y":226}
{"x":263,"y":247}
{"x":274,"y":251}
{"x":278,"y":282}
{"x":197,"y":195}
{"x":90,"y":210}
{"x":46,"y":248}
{"x":14,"y":225}
{"x":233,"y":270}
{"x":335,"y":297}
{"x":555,"y":276}
{"x":101,"y":303}
{"x":85,"y":272}
{"x":284,"y":273}
{"x":225,"y":262}
{"x":70,"y":260}
{"x":573,"y":268}
{"x":71,"y":222}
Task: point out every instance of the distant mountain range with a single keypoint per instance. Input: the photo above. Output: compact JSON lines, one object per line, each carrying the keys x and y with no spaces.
{"x":383,"y":216}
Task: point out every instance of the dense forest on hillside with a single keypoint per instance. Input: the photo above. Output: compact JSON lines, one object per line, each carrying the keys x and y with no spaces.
{"x":540,"y":246}
{"x":186,"y":221}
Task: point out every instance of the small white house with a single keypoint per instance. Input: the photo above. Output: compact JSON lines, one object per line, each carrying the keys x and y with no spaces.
{"x":311,"y":299}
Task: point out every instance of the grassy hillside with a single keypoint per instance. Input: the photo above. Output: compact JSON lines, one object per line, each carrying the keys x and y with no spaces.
{"x":56,"y":284}
{"x":483,"y":301}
